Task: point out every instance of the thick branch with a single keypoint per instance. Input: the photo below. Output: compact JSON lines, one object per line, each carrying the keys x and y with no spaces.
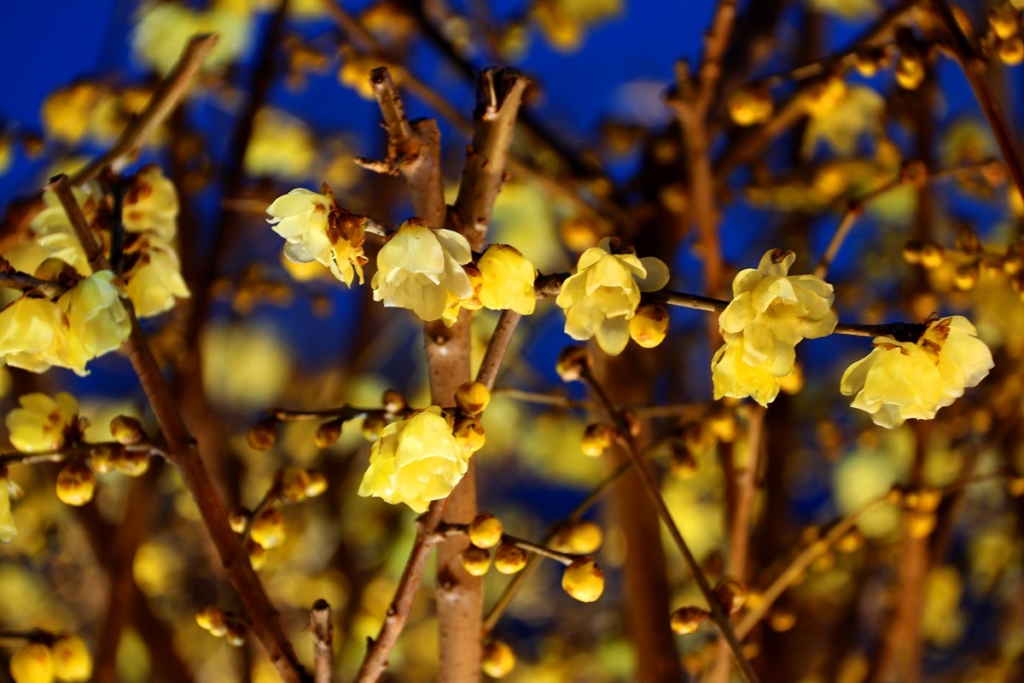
{"x":322,"y":633}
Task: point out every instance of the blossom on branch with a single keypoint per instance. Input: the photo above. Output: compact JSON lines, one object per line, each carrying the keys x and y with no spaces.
{"x":602,"y":296}
{"x":43,"y":424}
{"x":902,"y":380}
{"x":97,"y":319}
{"x":508,"y":280}
{"x":34,"y":335}
{"x":420,"y":268}
{"x":415,"y":461}
{"x":154,"y":281}
{"x":150,"y":204}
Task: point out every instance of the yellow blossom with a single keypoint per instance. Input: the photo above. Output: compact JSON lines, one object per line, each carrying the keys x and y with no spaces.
{"x":42,"y":423}
{"x":420,"y":267}
{"x":317,"y":229}
{"x":163,"y":31}
{"x":602,"y":297}
{"x":53,"y":218}
{"x":857,"y":112}
{"x":34,"y":335}
{"x":65,"y":113}
{"x":281,"y":146}
{"x":733,"y":376}
{"x":507,"y":280}
{"x":151,"y":204}
{"x":154,"y":282}
{"x":415,"y":461}
{"x":900,"y":380}
{"x":96,"y":317}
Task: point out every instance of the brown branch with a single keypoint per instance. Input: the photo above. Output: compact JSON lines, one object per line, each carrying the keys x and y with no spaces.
{"x":166,"y":97}
{"x":15,"y":279}
{"x":182,"y":453}
{"x":322,"y":633}
{"x":497,"y":347}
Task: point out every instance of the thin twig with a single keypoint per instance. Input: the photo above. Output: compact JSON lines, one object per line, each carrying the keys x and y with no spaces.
{"x":497,"y":347}
{"x":15,"y":279}
{"x":321,"y":631}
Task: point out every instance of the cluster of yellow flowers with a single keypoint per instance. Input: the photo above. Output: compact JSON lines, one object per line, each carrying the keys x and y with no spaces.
{"x":770,"y":313}
{"x":66,"y":658}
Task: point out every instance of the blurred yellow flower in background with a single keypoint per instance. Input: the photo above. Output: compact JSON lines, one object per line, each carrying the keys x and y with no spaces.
{"x":281,"y":146}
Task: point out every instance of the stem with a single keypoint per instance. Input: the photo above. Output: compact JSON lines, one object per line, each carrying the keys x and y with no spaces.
{"x":322,"y":633}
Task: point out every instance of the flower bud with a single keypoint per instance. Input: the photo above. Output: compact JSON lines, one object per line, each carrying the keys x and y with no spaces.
{"x":851,"y":541}
{"x":236,"y":632}
{"x":682,"y":463}
{"x":263,"y":434}
{"x":731,"y":595}
{"x":475,"y":560}
{"x":132,"y":463}
{"x":509,"y":559}
{"x":1004,"y":21}
{"x":967,"y":276}
{"x":909,"y":71}
{"x":328,"y":432}
{"x":102,"y":459}
{"x":750,"y":105}
{"x":1011,"y":51}
{"x":583,"y":580}
{"x":238,"y":519}
{"x":597,"y":438}
{"x":919,"y":524}
{"x":912,"y":252}
{"x":781,"y":620}
{"x":476,"y":281}
{"x":393,"y":401}
{"x":71,"y":659}
{"x":485,"y":531}
{"x":317,"y":483}
{"x":372,"y":427}
{"x":76,"y":483}
{"x":825,"y":96}
{"x":932,"y":255}
{"x":498,"y":659}
{"x":127,"y":430}
{"x":649,"y":326}
{"x":291,"y":484}
{"x":212,"y":619}
{"x":257,"y":555}
{"x":687,"y":620}
{"x":32,"y":664}
{"x":573,"y":363}
{"x":469,"y":434}
{"x":579,"y":538}
{"x":267,"y":528}
{"x":472,"y":398}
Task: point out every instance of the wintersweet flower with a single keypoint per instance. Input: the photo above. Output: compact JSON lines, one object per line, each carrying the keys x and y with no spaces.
{"x":415,"y":461}
{"x":154,"y":281}
{"x":772,"y":311}
{"x":151,"y":204}
{"x":34,"y":335}
{"x":420,"y":267}
{"x":507,"y":280}
{"x":603,"y":295}
{"x":902,"y":380}
{"x":53,"y":218}
{"x":733,"y":376}
{"x":97,"y":319}
{"x":317,"y":229}
{"x":43,"y":424}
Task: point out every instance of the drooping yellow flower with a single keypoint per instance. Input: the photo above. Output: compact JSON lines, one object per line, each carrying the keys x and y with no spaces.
{"x":154,"y":282}
{"x":53,"y":218}
{"x":151,"y":204}
{"x":34,"y":335}
{"x":602,"y":297}
{"x":900,"y":380}
{"x":507,"y":280}
{"x":42,"y":423}
{"x":772,"y":311}
{"x":281,"y":146}
{"x":317,"y":229}
{"x":96,"y":317}
{"x":415,"y":461}
{"x":733,"y":376}
{"x":420,"y":267}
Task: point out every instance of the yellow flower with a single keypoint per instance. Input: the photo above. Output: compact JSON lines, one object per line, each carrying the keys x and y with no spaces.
{"x":317,"y":229}
{"x":7,"y":529}
{"x":420,"y":267}
{"x":43,"y":424}
{"x":858,"y":112}
{"x":771,"y":312}
{"x":163,"y":31}
{"x":415,"y":461}
{"x":902,"y":380}
{"x":154,"y":281}
{"x":34,"y":335}
{"x":97,"y":319}
{"x":65,"y":113}
{"x":281,"y":146}
{"x":507,"y":280}
{"x":602,"y":297}
{"x":151,"y":204}
{"x":733,"y":376}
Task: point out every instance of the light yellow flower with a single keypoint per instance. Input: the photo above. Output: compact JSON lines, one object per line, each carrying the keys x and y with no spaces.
{"x":281,"y":146}
{"x":419,"y":267}
{"x":507,"y":280}
{"x":30,"y":254}
{"x":97,"y":319}
{"x":163,"y":31}
{"x":415,"y":461}
{"x":900,"y":380}
{"x":53,"y":218}
{"x":733,"y":376}
{"x":317,"y":229}
{"x":601,"y":298}
{"x":858,"y":112}
{"x":151,"y":204}
{"x":154,"y":282}
{"x":772,"y":311}
{"x":65,"y":113}
{"x":34,"y":335}
{"x":7,"y":529}
{"x":43,"y":424}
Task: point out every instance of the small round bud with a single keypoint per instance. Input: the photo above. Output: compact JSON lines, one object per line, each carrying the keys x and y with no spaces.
{"x":632,"y":420}
{"x":932,"y":255}
{"x":1011,"y":51}
{"x":583,"y":580}
{"x":509,"y":559}
{"x":236,"y":632}
{"x":731,"y":595}
{"x":328,"y":432}
{"x":687,"y":620}
{"x":573,"y":363}
{"x":317,"y":483}
{"x":32,"y":664}
{"x":485,"y":531}
{"x":919,"y":524}
{"x":238,"y":519}
{"x":127,"y":430}
{"x":393,"y":401}
{"x":851,"y":541}
{"x":102,"y":459}
{"x":291,"y":484}
{"x":71,"y":659}
{"x":912,"y":252}
{"x":469,"y":433}
{"x":498,"y":659}
{"x":263,"y":434}
{"x":372,"y":427}
{"x":825,"y":96}
{"x":649,"y":326}
{"x":682,"y":462}
{"x":257,"y":555}
{"x":267,"y":528}
{"x":750,"y":105}
{"x":722,"y":423}
{"x":132,"y":463}
{"x":476,"y":561}
{"x":597,"y":438}
{"x":579,"y":538}
{"x":928,"y":500}
{"x":781,"y":620}
{"x":967,"y":276}
{"x":472,"y":398}
{"x":909,"y":71}
{"x":1004,"y":21}
{"x":212,"y":619}
{"x":76,"y":483}
{"x":868,"y":62}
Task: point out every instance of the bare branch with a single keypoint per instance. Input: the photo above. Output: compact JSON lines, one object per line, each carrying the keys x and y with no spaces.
{"x":322,"y":632}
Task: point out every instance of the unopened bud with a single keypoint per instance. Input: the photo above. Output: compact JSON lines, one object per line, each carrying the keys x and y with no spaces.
{"x":485,"y":530}
{"x":476,"y":561}
{"x":472,"y":398}
{"x":238,"y":519}
{"x":102,"y":459}
{"x":267,"y":528}
{"x":328,"y":432}
{"x":212,"y":619}
{"x":1005,"y":21}
{"x":469,"y":433}
{"x":257,"y":554}
{"x":127,"y":430}
{"x":291,"y":484}
{"x":731,"y":595}
{"x":649,"y":326}
{"x":317,"y":483}
{"x":597,"y":438}
{"x":583,"y":580}
{"x":687,"y":620}
{"x":781,"y":620}
{"x":932,"y":255}
{"x":1011,"y":51}
{"x":263,"y":434}
{"x":909,"y":71}
{"x":573,"y":363}
{"x":919,"y":524}
{"x":372,"y":427}
{"x":76,"y":483}
{"x":498,"y":659}
{"x":509,"y":559}
{"x":393,"y":401}
{"x":750,"y":105}
{"x":132,"y":463}
{"x":236,"y":632}
{"x":579,"y":538}
{"x":912,"y":252}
